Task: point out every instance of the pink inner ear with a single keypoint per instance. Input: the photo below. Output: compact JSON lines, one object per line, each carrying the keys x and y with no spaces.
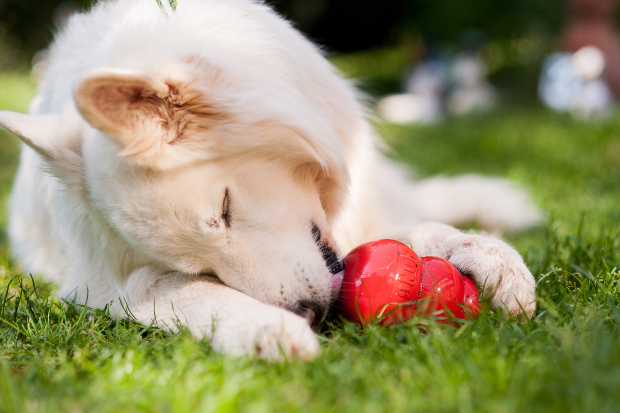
{"x":112,"y":102}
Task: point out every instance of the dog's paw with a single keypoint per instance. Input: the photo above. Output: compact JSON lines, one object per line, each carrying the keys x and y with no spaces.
{"x":270,"y":332}
{"x":497,"y":268}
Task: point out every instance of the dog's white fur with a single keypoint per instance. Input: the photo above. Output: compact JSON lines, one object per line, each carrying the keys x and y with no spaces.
{"x":144,"y":123}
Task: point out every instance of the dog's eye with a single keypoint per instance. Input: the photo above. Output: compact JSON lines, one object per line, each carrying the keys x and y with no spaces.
{"x":329,"y":255}
{"x":316,"y":233}
{"x":226,"y":209}
{"x":331,"y":259}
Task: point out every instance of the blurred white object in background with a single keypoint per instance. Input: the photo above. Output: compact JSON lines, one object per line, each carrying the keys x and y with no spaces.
{"x":589,"y":62}
{"x":421,"y":103}
{"x":573,"y":83}
{"x":429,"y":78}
{"x":595,"y":100}
{"x":410,"y":108}
{"x":559,"y":82}
{"x":458,"y":86}
{"x":471,"y":91}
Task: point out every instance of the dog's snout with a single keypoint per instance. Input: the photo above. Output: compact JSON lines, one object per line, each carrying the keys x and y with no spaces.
{"x":312,"y":311}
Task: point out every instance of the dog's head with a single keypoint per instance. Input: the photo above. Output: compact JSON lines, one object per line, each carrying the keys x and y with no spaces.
{"x":196,"y":174}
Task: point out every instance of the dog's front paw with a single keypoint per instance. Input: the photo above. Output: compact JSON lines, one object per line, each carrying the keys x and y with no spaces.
{"x":268,"y":332}
{"x":497,"y":268}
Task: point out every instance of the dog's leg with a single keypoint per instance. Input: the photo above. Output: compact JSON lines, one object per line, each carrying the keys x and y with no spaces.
{"x":235,"y":323}
{"x":493,"y":264}
{"x":495,"y":203}
{"x":34,"y":241}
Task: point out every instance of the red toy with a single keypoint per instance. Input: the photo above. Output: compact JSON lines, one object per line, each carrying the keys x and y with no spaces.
{"x":442,"y":289}
{"x":386,"y":279}
{"x":472,"y":297}
{"x":377,"y":274}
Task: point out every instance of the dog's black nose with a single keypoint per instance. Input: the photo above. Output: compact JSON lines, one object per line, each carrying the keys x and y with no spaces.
{"x":313,"y":311}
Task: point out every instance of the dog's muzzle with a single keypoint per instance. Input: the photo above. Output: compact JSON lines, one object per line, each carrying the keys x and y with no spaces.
{"x":312,"y":311}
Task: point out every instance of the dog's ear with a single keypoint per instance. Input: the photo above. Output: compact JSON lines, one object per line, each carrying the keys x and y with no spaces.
{"x":146,"y":116}
{"x":40,"y":132}
{"x":119,"y":102}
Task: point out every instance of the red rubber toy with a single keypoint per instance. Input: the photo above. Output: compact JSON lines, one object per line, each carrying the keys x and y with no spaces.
{"x":386,"y":280}
{"x":472,"y":298}
{"x":442,"y":289}
{"x":378,"y":277}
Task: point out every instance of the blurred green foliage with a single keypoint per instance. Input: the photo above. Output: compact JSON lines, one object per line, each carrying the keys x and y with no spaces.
{"x":444,"y":21}
{"x":27,"y":26}
{"x":351,"y":25}
{"x":513,"y":36}
{"x":342,"y":25}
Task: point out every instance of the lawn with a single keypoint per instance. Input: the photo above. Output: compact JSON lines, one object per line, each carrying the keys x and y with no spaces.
{"x":56,"y":358}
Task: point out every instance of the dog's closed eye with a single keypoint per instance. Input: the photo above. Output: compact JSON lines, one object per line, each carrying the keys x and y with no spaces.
{"x":226,"y":209}
{"x":316,"y":233}
{"x":329,"y":255}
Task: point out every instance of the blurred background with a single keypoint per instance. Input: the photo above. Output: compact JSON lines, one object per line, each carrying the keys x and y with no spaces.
{"x":512,"y":37}
{"x":446,"y":57}
{"x":523,"y":89}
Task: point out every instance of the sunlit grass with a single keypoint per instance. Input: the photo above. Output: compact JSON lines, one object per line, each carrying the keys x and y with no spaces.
{"x":59,"y":358}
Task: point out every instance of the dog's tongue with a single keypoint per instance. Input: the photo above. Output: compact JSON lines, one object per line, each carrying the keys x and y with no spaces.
{"x":337,"y":283}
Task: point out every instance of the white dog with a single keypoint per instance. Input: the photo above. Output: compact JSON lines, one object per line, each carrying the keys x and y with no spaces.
{"x":212,"y":167}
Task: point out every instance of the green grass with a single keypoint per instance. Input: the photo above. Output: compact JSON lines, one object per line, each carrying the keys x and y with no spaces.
{"x":58,"y":358}
{"x":16,"y":91}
